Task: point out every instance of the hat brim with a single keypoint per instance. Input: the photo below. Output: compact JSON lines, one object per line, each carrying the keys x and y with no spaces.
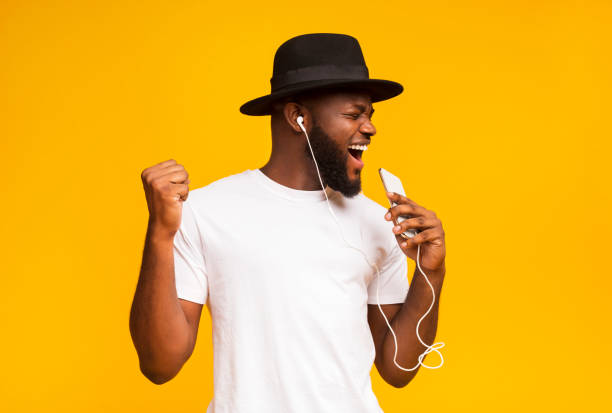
{"x":379,"y":90}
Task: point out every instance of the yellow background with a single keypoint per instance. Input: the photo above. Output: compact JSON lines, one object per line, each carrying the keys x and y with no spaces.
{"x":503,"y":130}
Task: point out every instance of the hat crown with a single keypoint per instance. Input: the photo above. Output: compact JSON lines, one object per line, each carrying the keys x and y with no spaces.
{"x":318,"y":56}
{"x":317,"y":49}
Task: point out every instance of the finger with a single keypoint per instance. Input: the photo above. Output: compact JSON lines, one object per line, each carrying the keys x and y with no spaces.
{"x":156,"y":167}
{"x":399,"y":198}
{"x":406,"y":210}
{"x":153,"y":172}
{"x":173,"y":174}
{"x":167,"y":163}
{"x":178,"y":177}
{"x":180,"y":191}
{"x":157,"y":173}
{"x":432,"y":235}
{"x":420,"y":223}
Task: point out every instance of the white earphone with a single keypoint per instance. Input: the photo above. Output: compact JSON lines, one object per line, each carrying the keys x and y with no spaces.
{"x":430,"y":348}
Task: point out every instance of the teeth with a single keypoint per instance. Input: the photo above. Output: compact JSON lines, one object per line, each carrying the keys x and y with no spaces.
{"x":359,"y":147}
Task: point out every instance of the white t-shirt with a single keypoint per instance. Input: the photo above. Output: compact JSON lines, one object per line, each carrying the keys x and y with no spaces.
{"x":288,"y":298}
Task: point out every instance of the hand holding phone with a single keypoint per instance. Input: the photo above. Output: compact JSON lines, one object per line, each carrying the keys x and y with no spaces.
{"x":393,"y":184}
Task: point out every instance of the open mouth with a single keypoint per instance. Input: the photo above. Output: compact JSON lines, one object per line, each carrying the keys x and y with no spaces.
{"x":356,"y":151}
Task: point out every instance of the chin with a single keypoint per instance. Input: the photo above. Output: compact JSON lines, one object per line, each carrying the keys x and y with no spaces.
{"x":351,"y":190}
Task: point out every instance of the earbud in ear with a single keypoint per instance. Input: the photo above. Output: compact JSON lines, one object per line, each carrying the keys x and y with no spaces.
{"x":300,"y":121}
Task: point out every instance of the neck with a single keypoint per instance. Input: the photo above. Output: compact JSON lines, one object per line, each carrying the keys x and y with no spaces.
{"x":292,"y":169}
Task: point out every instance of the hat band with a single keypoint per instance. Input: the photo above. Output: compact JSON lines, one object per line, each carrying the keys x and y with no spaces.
{"x":321,"y":72}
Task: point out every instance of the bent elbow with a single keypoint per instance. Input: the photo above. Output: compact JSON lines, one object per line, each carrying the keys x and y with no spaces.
{"x":158,"y":377}
{"x":401,"y":381}
{"x":399,"y":385}
{"x":162,"y":365}
{"x":159,"y":380}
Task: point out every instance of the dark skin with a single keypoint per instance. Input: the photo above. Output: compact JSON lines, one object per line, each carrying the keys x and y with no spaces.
{"x":344,"y":116}
{"x":165,"y":333}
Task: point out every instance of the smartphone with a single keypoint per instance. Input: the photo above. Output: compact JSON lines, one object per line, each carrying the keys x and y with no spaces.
{"x":393,"y":184}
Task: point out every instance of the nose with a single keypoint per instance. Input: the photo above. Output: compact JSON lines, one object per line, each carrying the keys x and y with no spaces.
{"x":368,"y":128}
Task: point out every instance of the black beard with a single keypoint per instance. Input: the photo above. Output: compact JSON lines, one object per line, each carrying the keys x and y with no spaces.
{"x":332,"y":161}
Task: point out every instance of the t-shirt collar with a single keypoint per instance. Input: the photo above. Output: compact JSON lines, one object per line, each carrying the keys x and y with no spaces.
{"x":291,"y":194}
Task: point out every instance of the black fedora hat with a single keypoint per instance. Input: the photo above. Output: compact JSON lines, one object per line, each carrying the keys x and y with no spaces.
{"x":319,"y":61}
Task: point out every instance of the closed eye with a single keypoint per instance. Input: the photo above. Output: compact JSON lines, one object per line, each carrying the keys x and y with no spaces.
{"x":357,"y":115}
{"x":362,"y":109}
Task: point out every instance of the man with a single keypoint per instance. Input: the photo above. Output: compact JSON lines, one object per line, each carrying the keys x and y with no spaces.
{"x":295,"y":315}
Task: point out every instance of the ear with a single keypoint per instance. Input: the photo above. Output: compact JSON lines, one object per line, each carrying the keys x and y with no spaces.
{"x":291,"y":111}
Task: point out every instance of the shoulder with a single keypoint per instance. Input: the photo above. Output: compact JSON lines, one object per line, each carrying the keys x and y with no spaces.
{"x":374,"y":227}
{"x":368,"y":207}
{"x":371,"y":217}
{"x":222,"y":191}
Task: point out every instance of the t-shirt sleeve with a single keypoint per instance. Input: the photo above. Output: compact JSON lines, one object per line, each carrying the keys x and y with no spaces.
{"x":189,"y":265}
{"x":393,"y":283}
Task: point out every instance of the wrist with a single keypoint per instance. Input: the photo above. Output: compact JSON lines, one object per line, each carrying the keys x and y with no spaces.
{"x":159,"y":234}
{"x":435,"y":273}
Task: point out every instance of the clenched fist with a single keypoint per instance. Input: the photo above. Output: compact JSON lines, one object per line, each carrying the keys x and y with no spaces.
{"x":166,"y":186}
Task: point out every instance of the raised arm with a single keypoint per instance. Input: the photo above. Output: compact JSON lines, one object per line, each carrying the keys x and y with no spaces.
{"x":163,"y":327}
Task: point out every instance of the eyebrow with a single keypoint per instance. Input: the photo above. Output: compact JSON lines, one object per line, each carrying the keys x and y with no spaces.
{"x":363,"y":108}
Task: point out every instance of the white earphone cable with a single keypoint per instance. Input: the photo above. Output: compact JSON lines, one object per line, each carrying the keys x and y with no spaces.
{"x":430,"y":348}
